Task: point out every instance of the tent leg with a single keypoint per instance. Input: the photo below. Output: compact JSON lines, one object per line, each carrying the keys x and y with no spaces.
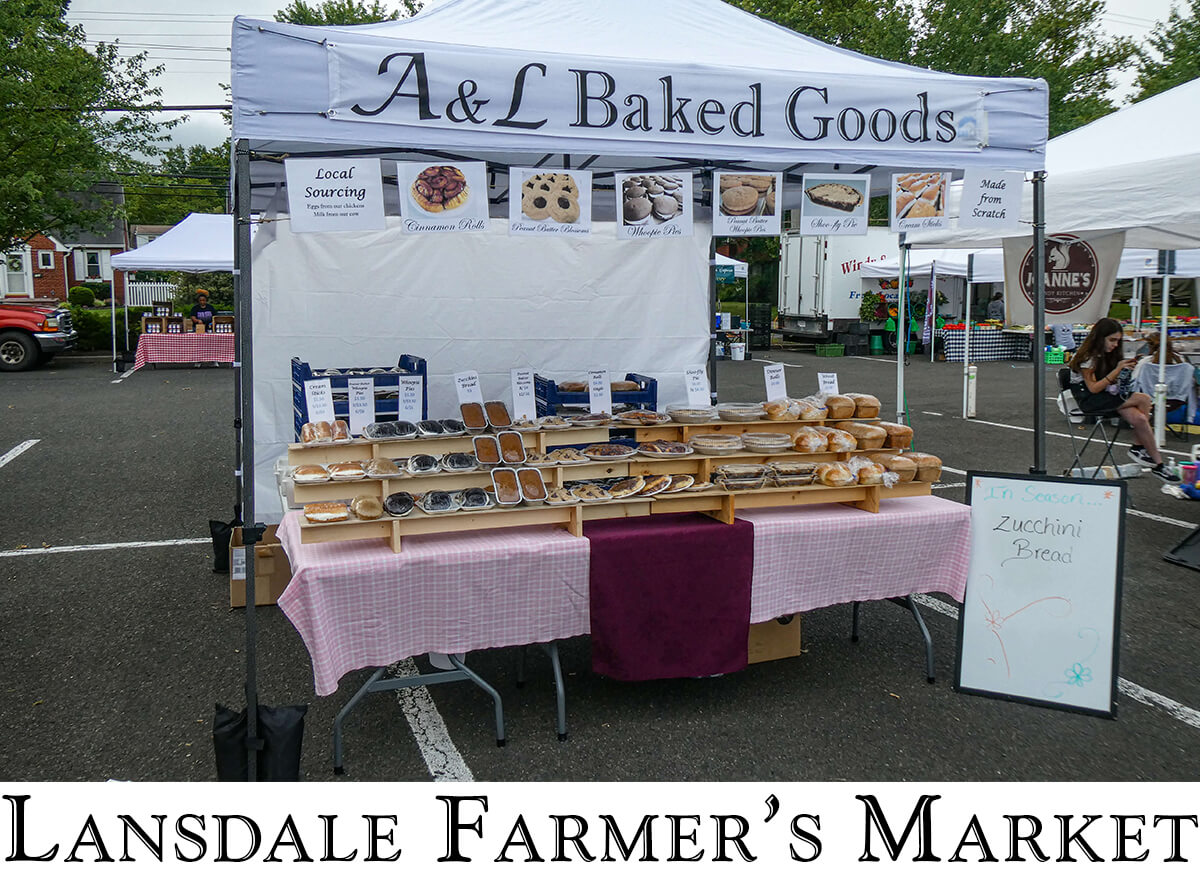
{"x":901,"y":330}
{"x":112,"y":310}
{"x":712,"y":326}
{"x":1039,"y":323}
{"x":1160,"y":388}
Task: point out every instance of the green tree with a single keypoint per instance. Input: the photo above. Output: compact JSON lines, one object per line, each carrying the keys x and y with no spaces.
{"x":56,"y":140}
{"x":1172,"y":56}
{"x":185,"y":180}
{"x":879,"y":28}
{"x":343,"y":12}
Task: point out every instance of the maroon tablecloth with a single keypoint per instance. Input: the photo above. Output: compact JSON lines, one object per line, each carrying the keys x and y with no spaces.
{"x":670,"y":596}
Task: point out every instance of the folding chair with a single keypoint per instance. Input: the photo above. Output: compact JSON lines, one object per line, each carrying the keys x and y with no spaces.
{"x":1099,"y":434}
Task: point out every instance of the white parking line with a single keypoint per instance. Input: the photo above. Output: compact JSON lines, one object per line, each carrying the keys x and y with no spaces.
{"x":433,"y":739}
{"x":1066,"y":435}
{"x":122,"y":377}
{"x":1163,"y":519}
{"x":781,"y":363}
{"x":1177,"y":710}
{"x":107,"y":546}
{"x":942,"y":485}
{"x":876,"y":359}
{"x":19,"y":450}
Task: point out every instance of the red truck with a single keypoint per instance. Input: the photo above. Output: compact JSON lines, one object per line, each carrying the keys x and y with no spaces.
{"x":31,"y":334}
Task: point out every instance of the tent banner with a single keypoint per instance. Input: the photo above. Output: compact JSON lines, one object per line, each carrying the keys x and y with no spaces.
{"x":552,"y":94}
{"x":748,"y":204}
{"x":557,"y":203}
{"x":1080,"y":274}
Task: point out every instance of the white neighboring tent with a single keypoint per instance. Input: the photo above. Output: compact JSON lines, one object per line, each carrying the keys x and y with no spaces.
{"x":989,"y":264}
{"x":198,"y":243}
{"x":1137,"y":170}
{"x":739,"y":267}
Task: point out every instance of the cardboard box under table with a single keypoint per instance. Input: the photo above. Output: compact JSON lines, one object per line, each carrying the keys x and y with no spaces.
{"x":272,"y":572}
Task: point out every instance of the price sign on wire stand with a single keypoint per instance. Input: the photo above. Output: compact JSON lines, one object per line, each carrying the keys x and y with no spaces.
{"x":362,"y":404}
{"x":318,"y":398}
{"x":599,"y":392}
{"x":411,"y":390}
{"x":1041,"y":614}
{"x":524,"y":404}
{"x":827,"y":383}
{"x":776,"y":384}
{"x":466,"y":383}
{"x":699,"y":395}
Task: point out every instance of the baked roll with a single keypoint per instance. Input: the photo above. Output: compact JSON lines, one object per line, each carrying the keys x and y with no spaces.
{"x":308,"y":433}
{"x":867,"y":435}
{"x":865,"y":405}
{"x":834,"y":474}
{"x":341,"y":431}
{"x":898,"y":435}
{"x":839,"y":406}
{"x":929,"y":467}
{"x":902,"y":465}
{"x":310,"y":473}
{"x":324,"y":431}
{"x":325,"y":513}
{"x":367,"y":508}
{"x":347,"y":470}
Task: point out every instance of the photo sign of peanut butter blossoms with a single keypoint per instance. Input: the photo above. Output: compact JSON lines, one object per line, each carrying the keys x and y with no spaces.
{"x":443,"y":198}
{"x":919,"y":201}
{"x":542,"y":201}
{"x":835,"y":205}
{"x":746,"y":204}
{"x":653,"y":205}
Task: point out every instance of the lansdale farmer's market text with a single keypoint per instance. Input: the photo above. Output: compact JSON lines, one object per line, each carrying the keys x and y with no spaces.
{"x":918,"y":830}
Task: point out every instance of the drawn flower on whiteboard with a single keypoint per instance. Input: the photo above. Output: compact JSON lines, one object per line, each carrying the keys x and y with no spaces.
{"x":1078,"y":674}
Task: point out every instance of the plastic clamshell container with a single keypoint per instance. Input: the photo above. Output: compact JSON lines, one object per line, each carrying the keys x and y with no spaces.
{"x":487,"y":450}
{"x":533,"y":486}
{"x":506,"y":487}
{"x":475,"y":499}
{"x":459,"y":461}
{"x":497,"y":415}
{"x":512,"y":448}
{"x":430,"y":427}
{"x":438,"y":502}
{"x":424,"y":464}
{"x":473,"y":417}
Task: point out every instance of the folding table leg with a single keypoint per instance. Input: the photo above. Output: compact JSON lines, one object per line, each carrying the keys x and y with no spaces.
{"x":854,"y":623}
{"x":560,"y":694}
{"x":916,"y":613}
{"x":341,"y":716}
{"x":491,"y":692}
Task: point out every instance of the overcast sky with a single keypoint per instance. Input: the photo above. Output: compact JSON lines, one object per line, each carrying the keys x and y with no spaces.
{"x":193,"y":46}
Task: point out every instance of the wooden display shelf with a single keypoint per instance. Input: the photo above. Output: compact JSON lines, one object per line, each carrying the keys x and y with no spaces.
{"x":683,"y":432}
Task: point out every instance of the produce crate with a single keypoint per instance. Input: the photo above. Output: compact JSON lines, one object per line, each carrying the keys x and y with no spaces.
{"x":549,"y":397}
{"x":152,"y":324}
{"x":387,"y":403}
{"x":1054,"y":355}
{"x":222,"y":324}
{"x":760,"y":326}
{"x":830,"y":350}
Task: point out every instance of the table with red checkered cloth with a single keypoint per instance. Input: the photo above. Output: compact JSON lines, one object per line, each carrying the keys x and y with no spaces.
{"x":358,"y":604}
{"x":184,"y":348}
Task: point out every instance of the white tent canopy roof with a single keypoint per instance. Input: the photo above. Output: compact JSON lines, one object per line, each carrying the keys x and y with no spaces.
{"x":198,"y":243}
{"x":740,"y":269}
{"x":677,"y":69}
{"x":1137,"y":169}
{"x":989,"y":264}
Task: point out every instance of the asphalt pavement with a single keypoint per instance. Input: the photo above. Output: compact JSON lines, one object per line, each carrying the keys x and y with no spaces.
{"x":113,"y":657}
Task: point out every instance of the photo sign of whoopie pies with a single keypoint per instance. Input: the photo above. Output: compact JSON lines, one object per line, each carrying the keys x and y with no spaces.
{"x":919,"y":201}
{"x":835,"y":204}
{"x":545,"y":201}
{"x":653,"y":205}
{"x":443,"y":198}
{"x":745,"y":203}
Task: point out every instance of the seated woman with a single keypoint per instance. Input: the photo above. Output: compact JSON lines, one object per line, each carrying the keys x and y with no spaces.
{"x":1095,"y":371}
{"x":1179,"y":376}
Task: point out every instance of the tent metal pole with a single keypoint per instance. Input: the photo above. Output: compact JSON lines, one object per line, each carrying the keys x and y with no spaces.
{"x":244,"y":393}
{"x":967,"y":332}
{"x":112,"y":310}
{"x":901,"y":329}
{"x":712,"y":316}
{"x":1039,"y":323}
{"x":1166,"y":267}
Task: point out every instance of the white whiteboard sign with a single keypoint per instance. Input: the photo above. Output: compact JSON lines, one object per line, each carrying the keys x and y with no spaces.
{"x":1042,"y":605}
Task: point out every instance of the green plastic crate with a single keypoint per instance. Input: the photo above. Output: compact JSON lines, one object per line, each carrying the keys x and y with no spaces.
{"x":1054,"y":355}
{"x":830,"y":350}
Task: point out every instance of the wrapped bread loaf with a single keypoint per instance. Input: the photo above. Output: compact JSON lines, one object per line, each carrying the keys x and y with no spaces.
{"x":341,"y":431}
{"x":866,"y":471}
{"x":837,"y":439}
{"x":324,"y":513}
{"x":904,"y":467}
{"x":813,"y":408}
{"x":865,"y":405}
{"x":367,"y":508}
{"x":898,"y":435}
{"x":810,"y":440}
{"x":782,"y":410}
{"x":834,"y":475}
{"x":839,"y":406}
{"x":573,"y":387}
{"x":309,"y":473}
{"x":929,"y":467}
{"x":867,"y":435}
{"x":324,"y":431}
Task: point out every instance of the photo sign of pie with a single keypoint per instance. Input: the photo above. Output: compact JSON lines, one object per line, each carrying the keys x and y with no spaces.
{"x":443,"y":198}
{"x":746,"y":203}
{"x":918,"y":201}
{"x":545,"y":201}
{"x":835,"y":204}
{"x":653,"y":205}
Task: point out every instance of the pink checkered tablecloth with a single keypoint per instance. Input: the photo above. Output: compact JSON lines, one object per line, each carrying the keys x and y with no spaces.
{"x":184,"y":348}
{"x":814,"y":556}
{"x":359,"y":604}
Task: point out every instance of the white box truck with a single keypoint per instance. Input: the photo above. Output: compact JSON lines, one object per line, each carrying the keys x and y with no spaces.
{"x":820,"y":280}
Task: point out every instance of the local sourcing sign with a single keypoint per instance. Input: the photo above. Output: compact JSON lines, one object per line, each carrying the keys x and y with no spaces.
{"x":509,"y":92}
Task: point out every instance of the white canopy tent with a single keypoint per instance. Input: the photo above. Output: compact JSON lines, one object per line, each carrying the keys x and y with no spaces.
{"x":563,"y":83}
{"x":988,"y":266}
{"x":198,"y":243}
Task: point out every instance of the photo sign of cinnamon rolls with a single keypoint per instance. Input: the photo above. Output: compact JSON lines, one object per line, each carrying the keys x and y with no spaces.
{"x":745,"y":203}
{"x":835,"y":204}
{"x":544,"y":201}
{"x":919,"y":201}
{"x":653,"y":205}
{"x":443,"y":198}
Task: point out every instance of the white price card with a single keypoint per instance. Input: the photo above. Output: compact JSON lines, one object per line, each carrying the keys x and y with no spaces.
{"x":318,"y":396}
{"x":362,"y":404}
{"x":411,"y":390}
{"x":600,"y":392}
{"x":827,"y":383}
{"x":776,"y":385}
{"x":237,"y":567}
{"x":467,"y":385}
{"x":524,"y":405}
{"x":699,"y":394}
